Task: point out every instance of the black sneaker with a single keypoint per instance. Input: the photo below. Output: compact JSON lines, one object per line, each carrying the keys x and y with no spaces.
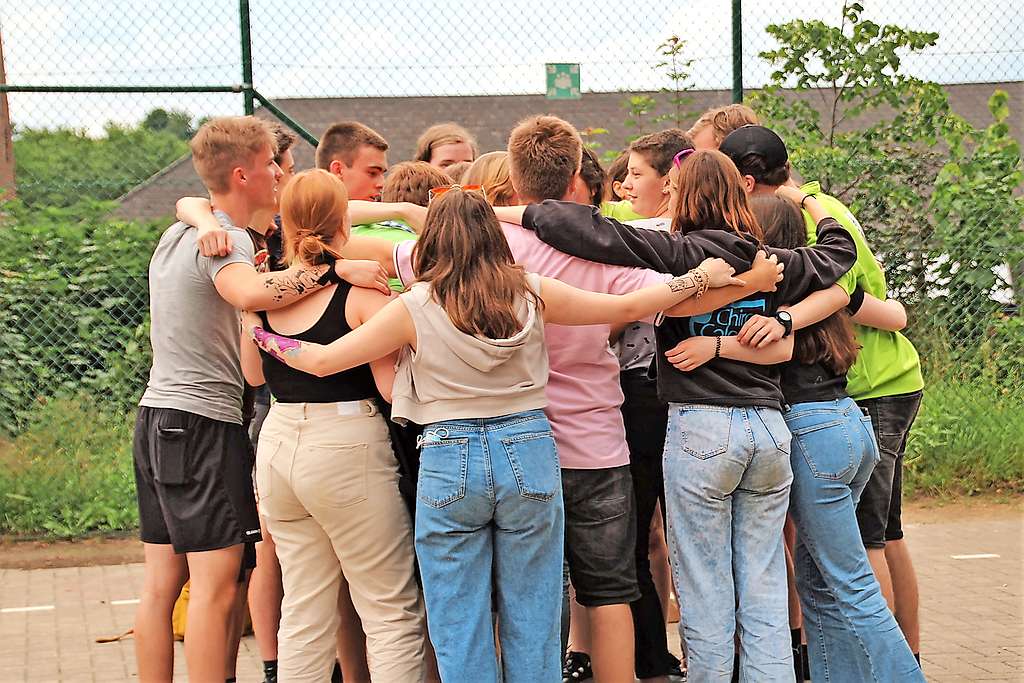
{"x":576,"y":667}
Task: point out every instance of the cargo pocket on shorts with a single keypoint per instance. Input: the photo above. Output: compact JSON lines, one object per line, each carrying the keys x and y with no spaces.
{"x":172,"y":441}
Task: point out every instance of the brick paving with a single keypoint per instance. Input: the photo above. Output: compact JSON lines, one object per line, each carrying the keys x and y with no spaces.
{"x":972,"y":610}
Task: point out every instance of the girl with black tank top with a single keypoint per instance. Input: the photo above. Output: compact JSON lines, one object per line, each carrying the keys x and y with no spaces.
{"x":326,"y":473}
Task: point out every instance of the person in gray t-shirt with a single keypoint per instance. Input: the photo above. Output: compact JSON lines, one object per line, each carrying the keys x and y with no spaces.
{"x":193,"y":461}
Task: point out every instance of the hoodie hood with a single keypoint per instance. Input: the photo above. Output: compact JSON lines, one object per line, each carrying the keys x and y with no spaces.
{"x":479,"y":352}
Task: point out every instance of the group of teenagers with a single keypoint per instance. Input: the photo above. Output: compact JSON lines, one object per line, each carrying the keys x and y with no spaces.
{"x":486,"y":415}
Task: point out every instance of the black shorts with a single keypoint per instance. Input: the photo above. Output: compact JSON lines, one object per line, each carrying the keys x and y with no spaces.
{"x":879,"y":512}
{"x":600,"y":535}
{"x":194,"y":481}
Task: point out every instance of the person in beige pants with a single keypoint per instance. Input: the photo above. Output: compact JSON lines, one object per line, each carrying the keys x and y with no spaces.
{"x":328,"y":483}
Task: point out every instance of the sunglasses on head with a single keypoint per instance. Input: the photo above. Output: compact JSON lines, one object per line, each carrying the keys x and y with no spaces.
{"x":677,"y":160}
{"x":436,"y":192}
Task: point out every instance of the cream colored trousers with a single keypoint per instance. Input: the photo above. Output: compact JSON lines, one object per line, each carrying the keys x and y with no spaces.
{"x":328,"y":487}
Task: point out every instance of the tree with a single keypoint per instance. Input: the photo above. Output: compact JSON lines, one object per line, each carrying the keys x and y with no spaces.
{"x":176,"y":122}
{"x":935,"y":193}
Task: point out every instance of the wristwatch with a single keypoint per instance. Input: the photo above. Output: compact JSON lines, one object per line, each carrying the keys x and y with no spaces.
{"x":786,"y":320}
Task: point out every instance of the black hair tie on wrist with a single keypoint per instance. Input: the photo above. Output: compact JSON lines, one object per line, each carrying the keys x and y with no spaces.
{"x":806,"y":196}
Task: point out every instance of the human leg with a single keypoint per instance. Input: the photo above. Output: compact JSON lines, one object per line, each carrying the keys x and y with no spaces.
{"x":759,"y":509}
{"x":600,"y":530}
{"x":704,"y":461}
{"x":164,"y":575}
{"x":454,"y":546}
{"x":528,"y":537}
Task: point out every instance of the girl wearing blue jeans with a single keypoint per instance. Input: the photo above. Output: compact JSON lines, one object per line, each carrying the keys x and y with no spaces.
{"x":852,"y":635}
{"x":489,"y":510}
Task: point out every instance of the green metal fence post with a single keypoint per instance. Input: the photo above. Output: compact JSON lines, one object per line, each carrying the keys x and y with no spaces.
{"x":737,"y":52}
{"x":243,"y":11}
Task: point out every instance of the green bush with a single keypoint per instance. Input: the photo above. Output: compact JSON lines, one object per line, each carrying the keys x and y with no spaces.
{"x":75,"y":308}
{"x":69,"y":473}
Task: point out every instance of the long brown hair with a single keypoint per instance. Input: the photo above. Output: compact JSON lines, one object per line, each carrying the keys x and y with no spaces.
{"x":463,"y":254}
{"x":314,"y":207}
{"x":832,"y":340}
{"x":711,"y":195}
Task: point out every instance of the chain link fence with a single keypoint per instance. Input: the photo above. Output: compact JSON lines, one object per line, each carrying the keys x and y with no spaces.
{"x":102,"y":98}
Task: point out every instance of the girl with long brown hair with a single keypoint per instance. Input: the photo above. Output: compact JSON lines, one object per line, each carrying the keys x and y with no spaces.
{"x":726,"y":461}
{"x":853,"y":633}
{"x":472,"y":369}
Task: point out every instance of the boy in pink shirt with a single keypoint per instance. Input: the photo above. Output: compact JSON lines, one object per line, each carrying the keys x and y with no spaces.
{"x":584,"y":398}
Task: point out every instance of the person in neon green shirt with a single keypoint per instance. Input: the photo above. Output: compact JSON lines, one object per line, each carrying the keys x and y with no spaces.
{"x":885,"y":381}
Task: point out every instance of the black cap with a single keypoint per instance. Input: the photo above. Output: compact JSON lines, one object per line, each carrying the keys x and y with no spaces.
{"x":751,"y":139}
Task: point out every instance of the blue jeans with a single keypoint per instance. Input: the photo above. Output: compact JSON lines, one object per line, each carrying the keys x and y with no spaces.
{"x":489,"y":513}
{"x":727,"y":480}
{"x":851,"y":634}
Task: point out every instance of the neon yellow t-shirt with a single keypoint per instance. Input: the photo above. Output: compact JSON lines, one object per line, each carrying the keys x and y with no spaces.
{"x":888,"y":364}
{"x":620,"y":211}
{"x":393,"y":231}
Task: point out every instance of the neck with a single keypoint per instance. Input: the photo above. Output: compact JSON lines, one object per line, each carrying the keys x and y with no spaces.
{"x":663,"y":208}
{"x":237,"y":208}
{"x":764,"y":189}
{"x":261,"y":221}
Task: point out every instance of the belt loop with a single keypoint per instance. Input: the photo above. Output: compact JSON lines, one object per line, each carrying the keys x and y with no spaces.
{"x":371,"y":407}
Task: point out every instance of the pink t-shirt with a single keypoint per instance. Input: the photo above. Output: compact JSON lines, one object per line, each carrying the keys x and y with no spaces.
{"x":584,"y":396}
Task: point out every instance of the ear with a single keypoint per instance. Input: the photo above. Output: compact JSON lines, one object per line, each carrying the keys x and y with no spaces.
{"x":237,"y":176}
{"x":337,"y":168}
{"x":572,"y":193}
{"x":665,"y":184}
{"x":749,"y":183}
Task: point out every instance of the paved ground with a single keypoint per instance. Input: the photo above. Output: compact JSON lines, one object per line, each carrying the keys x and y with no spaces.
{"x":969,"y":560}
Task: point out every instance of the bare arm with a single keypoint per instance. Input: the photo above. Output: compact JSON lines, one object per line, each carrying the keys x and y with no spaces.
{"x":690,"y":354}
{"x":374,"y":212}
{"x":380,"y":336}
{"x":765,"y":273}
{"x":361,"y":305}
{"x":252,"y":363}
{"x":759,"y":330}
{"x":884,"y":315}
{"x":567,"y":305}
{"x":371,"y":249}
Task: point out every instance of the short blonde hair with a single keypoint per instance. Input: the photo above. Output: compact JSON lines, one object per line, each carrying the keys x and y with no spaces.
{"x":544,"y":153}
{"x":225,"y":143}
{"x":442,"y":134}
{"x":491,"y":172}
{"x":724,"y":120}
{"x":412,"y":181}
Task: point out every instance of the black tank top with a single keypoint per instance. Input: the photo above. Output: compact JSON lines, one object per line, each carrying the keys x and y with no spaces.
{"x":294,"y":386}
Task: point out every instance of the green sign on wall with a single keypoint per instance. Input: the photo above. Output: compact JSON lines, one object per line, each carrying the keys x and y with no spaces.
{"x":563,"y":81}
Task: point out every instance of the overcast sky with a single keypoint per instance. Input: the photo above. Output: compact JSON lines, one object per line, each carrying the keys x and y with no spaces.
{"x":310,"y":48}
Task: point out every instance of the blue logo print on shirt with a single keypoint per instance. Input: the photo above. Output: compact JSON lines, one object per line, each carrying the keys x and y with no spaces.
{"x":727,"y":321}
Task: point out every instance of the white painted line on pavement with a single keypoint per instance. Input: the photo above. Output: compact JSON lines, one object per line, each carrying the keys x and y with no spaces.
{"x":134,"y":601}
{"x":979,"y":556}
{"x":35,"y":608}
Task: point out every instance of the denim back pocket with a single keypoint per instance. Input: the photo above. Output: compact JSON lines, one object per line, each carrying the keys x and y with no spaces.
{"x":704,"y":432}
{"x":534,"y":462}
{"x":444,"y":464}
{"x":827,"y":446}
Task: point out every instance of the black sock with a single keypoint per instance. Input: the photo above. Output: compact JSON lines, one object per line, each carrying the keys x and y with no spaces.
{"x":917,"y":656}
{"x":270,"y":669}
{"x":336,"y":674}
{"x":798,"y":664}
{"x":229,"y":680}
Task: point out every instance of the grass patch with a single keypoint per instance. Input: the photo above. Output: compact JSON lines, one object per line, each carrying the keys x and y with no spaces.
{"x":968,"y":439}
{"x":69,"y":474}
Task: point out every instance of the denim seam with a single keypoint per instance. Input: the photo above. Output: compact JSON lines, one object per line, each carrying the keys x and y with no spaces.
{"x":808,"y":540}
{"x":488,"y":467}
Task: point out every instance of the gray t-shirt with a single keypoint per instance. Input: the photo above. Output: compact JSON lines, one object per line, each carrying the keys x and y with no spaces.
{"x":194,"y":332}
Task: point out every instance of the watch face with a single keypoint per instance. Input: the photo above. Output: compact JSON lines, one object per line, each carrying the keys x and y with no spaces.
{"x":784,"y":315}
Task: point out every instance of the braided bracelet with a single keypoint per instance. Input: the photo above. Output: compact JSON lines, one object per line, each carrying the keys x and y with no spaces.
{"x":718,"y":346}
